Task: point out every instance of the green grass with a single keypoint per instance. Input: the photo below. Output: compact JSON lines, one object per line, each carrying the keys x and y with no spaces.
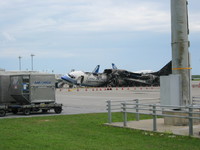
{"x":195,"y":79}
{"x":195,"y":76}
{"x":84,"y":132}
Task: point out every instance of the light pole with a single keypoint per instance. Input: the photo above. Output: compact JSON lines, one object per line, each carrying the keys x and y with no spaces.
{"x":20,"y":62}
{"x":180,"y":46}
{"x":32,"y":61}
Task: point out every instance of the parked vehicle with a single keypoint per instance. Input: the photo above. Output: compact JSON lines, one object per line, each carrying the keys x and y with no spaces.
{"x":27,"y":92}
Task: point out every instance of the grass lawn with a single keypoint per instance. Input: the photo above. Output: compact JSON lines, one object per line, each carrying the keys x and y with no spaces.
{"x":196,"y":80}
{"x":84,"y":132}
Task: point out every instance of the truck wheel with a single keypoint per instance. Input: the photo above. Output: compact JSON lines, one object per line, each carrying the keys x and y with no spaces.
{"x":2,"y":113}
{"x":27,"y":111}
{"x":58,"y":110}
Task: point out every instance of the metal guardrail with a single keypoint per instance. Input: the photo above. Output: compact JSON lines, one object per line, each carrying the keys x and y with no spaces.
{"x":154,"y":109}
{"x":116,"y":106}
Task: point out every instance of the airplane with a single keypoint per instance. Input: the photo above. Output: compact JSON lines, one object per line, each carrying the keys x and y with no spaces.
{"x":116,"y":77}
{"x":120,"y":77}
{"x":80,"y":78}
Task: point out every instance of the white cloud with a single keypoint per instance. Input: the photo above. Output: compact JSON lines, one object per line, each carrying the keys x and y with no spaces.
{"x":194,"y":23}
{"x":7,"y":36}
{"x":89,"y":15}
{"x":54,"y":54}
{"x":10,"y":53}
{"x":81,"y":15}
{"x":15,"y":52}
{"x":115,"y":17}
{"x":67,"y":28}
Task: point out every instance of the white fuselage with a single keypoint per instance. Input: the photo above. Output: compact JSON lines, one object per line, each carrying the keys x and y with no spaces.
{"x":88,"y":79}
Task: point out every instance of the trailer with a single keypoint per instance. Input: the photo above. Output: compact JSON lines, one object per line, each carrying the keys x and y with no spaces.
{"x":27,"y":93}
{"x":27,"y":109}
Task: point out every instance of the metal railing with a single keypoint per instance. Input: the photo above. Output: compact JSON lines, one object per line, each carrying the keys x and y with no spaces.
{"x":116,"y":106}
{"x":154,"y":109}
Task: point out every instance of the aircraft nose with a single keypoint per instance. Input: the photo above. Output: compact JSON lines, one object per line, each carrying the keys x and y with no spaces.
{"x":71,"y":76}
{"x":65,"y":77}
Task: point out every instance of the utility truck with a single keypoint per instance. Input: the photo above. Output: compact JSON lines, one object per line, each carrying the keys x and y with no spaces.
{"x":27,"y":92}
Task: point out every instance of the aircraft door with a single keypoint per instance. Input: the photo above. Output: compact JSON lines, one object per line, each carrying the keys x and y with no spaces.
{"x":80,"y":80}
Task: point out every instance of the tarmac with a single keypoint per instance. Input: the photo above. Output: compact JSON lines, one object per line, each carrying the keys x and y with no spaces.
{"x":93,"y":100}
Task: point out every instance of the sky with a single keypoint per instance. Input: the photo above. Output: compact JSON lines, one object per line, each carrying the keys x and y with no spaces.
{"x":80,"y":34}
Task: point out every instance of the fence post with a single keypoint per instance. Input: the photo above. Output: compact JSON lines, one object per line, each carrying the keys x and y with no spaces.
{"x":124,"y":113}
{"x":190,"y":120}
{"x":154,"y":118}
{"x":109,"y":112}
{"x":137,"y":110}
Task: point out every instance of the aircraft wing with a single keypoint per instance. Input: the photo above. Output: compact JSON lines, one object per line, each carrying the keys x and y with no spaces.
{"x":138,"y":81}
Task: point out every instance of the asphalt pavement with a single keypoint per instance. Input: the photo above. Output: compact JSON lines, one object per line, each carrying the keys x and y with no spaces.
{"x":93,"y":100}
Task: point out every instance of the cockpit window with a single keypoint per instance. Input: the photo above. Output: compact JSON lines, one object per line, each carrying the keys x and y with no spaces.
{"x":71,"y":76}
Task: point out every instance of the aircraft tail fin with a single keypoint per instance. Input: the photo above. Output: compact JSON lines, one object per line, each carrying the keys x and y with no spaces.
{"x":114,"y":66}
{"x":166,"y":70}
{"x":96,"y":70}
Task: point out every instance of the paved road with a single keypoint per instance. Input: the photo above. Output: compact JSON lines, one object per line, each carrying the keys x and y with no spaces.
{"x":93,"y":100}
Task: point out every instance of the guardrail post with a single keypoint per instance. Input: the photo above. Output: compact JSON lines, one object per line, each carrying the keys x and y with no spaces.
{"x":124,"y":114}
{"x":190,"y":120}
{"x":109,"y":112}
{"x":154,"y":118}
{"x":137,"y":110}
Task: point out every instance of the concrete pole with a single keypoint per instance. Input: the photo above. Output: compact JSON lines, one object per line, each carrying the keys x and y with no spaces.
{"x":180,"y":44}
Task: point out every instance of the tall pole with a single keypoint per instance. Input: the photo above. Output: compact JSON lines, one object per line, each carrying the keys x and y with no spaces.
{"x":32,"y":61}
{"x":20,"y":62}
{"x":180,"y":44}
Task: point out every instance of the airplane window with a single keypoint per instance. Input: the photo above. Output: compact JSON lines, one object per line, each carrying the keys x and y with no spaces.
{"x":71,"y":76}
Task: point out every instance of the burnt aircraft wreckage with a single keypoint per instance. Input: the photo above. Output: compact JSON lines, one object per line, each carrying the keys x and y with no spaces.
{"x":115,"y":77}
{"x":118,"y":77}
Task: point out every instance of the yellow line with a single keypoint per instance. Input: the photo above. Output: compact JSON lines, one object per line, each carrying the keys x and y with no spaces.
{"x":181,"y":68}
